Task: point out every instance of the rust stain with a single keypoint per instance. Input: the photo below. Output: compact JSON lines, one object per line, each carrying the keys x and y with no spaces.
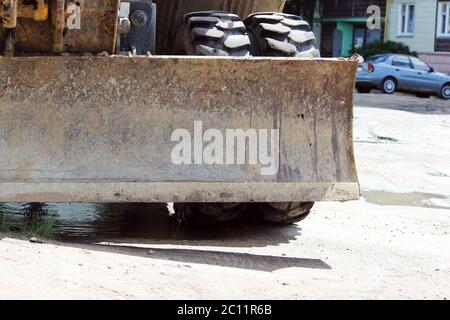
{"x":36,"y":33}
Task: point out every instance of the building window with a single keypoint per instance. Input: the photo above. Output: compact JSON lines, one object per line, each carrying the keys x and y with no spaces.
{"x":406,"y":19}
{"x":363,"y":36}
{"x":443,"y":26}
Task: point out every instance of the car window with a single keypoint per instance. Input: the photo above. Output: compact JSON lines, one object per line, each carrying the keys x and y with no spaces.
{"x":402,"y":62}
{"x":419,"y":64}
{"x":377,"y":59}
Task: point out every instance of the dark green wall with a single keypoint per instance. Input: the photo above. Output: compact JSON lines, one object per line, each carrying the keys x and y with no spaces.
{"x":303,"y":8}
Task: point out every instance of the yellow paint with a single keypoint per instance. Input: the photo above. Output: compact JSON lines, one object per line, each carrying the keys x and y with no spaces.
{"x":386,"y":22}
{"x":28,"y":12}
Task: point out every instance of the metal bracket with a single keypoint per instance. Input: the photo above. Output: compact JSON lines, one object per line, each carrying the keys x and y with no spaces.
{"x":137,"y":27}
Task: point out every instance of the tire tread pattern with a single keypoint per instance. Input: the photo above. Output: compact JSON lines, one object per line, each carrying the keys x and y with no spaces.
{"x":213,"y":33}
{"x":282,"y":35}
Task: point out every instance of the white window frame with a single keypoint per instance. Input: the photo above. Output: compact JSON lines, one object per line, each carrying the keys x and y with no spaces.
{"x":408,"y":6}
{"x":446,"y":33}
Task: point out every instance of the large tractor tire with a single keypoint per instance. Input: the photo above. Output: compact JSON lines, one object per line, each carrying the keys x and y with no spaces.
{"x":281,"y":35}
{"x":280,"y":213}
{"x":208,"y":213}
{"x":213,"y":33}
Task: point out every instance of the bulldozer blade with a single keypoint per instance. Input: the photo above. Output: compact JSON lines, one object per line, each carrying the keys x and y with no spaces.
{"x":113,"y":129}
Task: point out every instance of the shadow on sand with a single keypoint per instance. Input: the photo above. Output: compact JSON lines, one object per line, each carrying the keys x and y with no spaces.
{"x":137,"y":230}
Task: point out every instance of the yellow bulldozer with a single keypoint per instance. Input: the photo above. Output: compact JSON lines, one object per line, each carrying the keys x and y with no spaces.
{"x":223,"y":107}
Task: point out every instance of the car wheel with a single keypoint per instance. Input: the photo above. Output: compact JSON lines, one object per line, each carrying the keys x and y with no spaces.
{"x":389,"y":86}
{"x":363,"y":89}
{"x":445,"y":92}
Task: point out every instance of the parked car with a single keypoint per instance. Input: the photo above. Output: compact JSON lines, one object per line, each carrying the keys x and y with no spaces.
{"x":396,"y":72}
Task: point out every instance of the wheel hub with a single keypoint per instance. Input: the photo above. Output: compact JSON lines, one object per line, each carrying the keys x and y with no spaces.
{"x":389,"y":85}
{"x":446,"y":91}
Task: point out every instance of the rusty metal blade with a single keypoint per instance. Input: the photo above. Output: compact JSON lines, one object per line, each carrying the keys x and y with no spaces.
{"x":98,"y":129}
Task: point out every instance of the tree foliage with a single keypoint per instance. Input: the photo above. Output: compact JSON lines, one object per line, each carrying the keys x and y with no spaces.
{"x":379,"y":47}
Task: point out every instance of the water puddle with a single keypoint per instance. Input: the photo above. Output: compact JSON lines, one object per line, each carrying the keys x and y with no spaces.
{"x":104,"y":222}
{"x":422,"y":200}
{"x":88,"y":221}
{"x":99,"y":222}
